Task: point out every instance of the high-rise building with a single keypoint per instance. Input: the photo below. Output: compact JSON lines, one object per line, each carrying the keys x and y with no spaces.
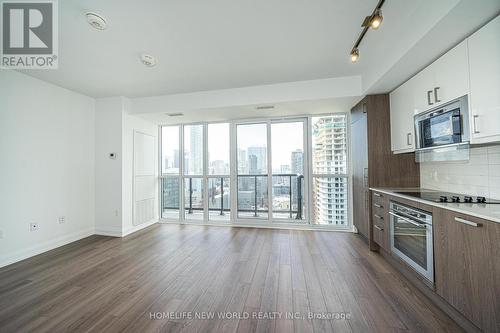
{"x":242,"y":161}
{"x":196,"y":149}
{"x":259,"y":160}
{"x":330,"y":152}
{"x":297,"y":161}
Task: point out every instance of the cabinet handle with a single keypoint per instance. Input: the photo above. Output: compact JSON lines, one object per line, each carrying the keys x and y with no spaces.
{"x":474,"y":224}
{"x":378,"y":206}
{"x":378,"y":216}
{"x":436,"y":99}
{"x":474,"y":126}
{"x":378,"y":228}
{"x":377,"y":194}
{"x":429,"y":97}
{"x":408,"y":139}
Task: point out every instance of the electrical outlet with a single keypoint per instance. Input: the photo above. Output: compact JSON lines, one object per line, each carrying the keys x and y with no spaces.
{"x":34,"y":226}
{"x":62,"y":219}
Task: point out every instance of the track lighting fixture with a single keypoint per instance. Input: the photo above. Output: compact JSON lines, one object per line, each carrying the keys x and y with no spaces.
{"x":374,"y":21}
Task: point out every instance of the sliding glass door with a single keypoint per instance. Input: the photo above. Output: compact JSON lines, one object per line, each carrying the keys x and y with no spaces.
{"x":252,"y":175}
{"x":282,"y":143}
{"x":287,"y":160}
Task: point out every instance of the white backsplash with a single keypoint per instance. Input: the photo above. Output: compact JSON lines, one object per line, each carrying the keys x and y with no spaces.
{"x":478,"y":176}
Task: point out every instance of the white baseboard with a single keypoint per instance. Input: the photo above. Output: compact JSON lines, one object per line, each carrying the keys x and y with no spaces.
{"x":109,"y":231}
{"x":138,"y":227}
{"x":44,"y":247}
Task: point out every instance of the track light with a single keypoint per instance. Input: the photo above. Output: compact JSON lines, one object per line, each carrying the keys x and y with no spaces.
{"x":376,"y":19}
{"x":354,"y":55}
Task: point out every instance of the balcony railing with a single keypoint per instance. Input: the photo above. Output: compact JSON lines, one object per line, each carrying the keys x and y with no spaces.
{"x":294,"y":211}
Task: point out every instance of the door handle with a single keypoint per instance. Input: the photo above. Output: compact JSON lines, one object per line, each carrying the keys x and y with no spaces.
{"x":408,"y":139}
{"x":474,"y":125}
{"x":429,"y":97}
{"x":436,"y":99}
{"x":474,"y":224}
{"x":421,"y":225}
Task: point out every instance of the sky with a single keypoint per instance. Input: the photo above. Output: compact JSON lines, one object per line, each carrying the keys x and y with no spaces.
{"x":285,"y":138}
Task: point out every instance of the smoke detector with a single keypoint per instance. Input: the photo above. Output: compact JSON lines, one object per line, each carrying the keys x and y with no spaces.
{"x":148,"y":60}
{"x":96,"y":21}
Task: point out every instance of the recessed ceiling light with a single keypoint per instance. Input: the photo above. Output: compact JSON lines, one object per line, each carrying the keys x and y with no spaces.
{"x":175,"y":114}
{"x":264,"y":107}
{"x":96,"y":21}
{"x":148,"y":60}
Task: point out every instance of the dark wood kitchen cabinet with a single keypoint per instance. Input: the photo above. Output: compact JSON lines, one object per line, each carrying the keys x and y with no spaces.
{"x":373,"y":163}
{"x":380,"y":220}
{"x":467,"y":266}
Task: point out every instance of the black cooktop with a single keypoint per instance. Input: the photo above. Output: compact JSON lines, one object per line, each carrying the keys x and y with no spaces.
{"x":449,"y":197}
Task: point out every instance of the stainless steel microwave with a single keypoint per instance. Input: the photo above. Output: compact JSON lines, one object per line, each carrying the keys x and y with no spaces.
{"x":443,"y":126}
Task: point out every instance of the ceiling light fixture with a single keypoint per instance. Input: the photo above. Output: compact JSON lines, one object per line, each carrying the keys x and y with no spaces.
{"x":377,"y":19}
{"x":374,"y":21}
{"x":354,"y":55}
{"x":96,"y":21}
{"x":148,"y":60}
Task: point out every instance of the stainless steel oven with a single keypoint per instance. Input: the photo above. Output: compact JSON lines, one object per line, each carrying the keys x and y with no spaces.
{"x":443,"y":126}
{"x":411,"y":238}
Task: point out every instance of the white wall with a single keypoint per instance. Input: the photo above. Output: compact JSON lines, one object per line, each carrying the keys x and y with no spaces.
{"x":108,"y":172}
{"x":478,"y":176}
{"x":46,"y":166}
{"x":113,"y":177}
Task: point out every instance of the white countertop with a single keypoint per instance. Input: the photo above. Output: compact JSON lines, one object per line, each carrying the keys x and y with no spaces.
{"x":489,"y":212}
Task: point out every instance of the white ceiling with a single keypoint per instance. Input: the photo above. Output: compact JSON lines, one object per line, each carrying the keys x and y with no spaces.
{"x":298,"y":108}
{"x":205,"y":45}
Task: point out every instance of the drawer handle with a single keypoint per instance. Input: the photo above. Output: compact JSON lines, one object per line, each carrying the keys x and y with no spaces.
{"x":377,"y":195}
{"x":378,"y":228}
{"x":474,"y":224}
{"x":378,"y":216}
{"x":378,"y":206}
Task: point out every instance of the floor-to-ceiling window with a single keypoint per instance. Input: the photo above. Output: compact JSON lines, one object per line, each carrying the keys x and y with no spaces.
{"x":194,"y":165}
{"x":219,"y":168}
{"x":291,"y":170}
{"x":329,"y":170}
{"x":287,"y":160}
{"x":170,"y":172}
{"x":251,"y":147}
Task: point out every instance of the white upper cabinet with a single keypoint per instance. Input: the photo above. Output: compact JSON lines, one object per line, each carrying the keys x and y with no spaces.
{"x":444,"y":80}
{"x":484,"y":61}
{"x":402,"y":128}
{"x":451,"y":75}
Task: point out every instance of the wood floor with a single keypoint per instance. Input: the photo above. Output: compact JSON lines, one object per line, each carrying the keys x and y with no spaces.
{"x":103,"y":284}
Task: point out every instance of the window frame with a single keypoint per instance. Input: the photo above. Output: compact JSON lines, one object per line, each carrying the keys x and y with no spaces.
{"x":233,"y":173}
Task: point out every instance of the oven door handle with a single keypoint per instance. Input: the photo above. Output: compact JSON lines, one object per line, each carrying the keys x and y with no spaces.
{"x":421,"y":225}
